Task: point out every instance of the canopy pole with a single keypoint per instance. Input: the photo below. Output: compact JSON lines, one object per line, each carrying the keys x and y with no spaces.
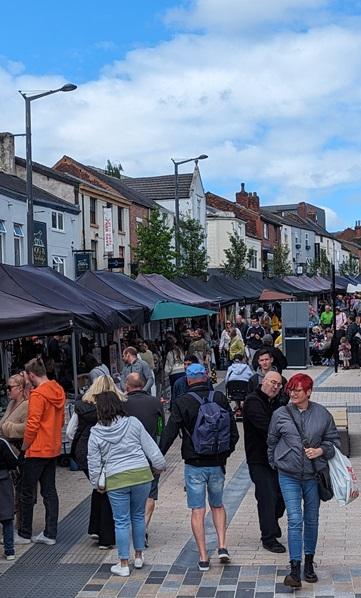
{"x":73,"y":355}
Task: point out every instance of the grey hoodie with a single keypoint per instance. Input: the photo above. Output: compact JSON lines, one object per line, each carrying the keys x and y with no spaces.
{"x":123,"y":445}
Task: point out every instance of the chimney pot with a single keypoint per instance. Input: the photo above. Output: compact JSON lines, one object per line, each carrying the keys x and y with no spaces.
{"x":242,"y":187}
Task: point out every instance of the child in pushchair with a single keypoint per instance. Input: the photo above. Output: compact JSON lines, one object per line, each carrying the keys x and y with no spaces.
{"x":236,"y":382}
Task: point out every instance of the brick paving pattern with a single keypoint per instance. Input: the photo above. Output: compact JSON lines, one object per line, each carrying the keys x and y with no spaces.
{"x":75,"y":568}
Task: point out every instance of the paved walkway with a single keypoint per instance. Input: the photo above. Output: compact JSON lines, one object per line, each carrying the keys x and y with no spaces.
{"x":76,"y":568}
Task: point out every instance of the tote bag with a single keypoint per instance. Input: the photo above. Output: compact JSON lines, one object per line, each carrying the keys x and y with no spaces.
{"x":343,"y":479}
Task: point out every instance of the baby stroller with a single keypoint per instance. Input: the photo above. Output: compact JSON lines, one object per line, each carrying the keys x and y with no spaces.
{"x":236,"y":390}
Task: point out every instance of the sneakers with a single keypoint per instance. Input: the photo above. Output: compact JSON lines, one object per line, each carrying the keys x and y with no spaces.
{"x":104,"y":547}
{"x":139,"y":561}
{"x":203,"y":565}
{"x":223,"y":555}
{"x":274,"y":546}
{"x":93,"y":536}
{"x":10,"y":557}
{"x":41,"y":539}
{"x":119,"y":570}
{"x":20,"y":540}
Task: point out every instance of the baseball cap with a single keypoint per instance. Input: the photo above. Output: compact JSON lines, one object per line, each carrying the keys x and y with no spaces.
{"x":195,"y":370}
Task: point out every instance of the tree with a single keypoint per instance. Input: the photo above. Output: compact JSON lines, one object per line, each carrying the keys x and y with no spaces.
{"x":236,"y":256}
{"x":351,"y":267}
{"x":114,"y":170}
{"x":281,"y":265}
{"x":193,"y":258}
{"x":154,"y":252}
{"x":321,"y":266}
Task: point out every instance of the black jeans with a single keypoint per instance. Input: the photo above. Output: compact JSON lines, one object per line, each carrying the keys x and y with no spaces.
{"x":37,"y":469}
{"x":269,"y":499}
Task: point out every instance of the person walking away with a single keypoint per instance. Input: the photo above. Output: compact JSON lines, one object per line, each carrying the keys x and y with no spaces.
{"x":236,"y":345}
{"x":42,"y":445}
{"x":174,"y":365}
{"x":181,"y":386}
{"x":257,"y":412}
{"x":238,"y":370}
{"x":301,"y":439}
{"x":344,"y":352}
{"x":8,"y":462}
{"x":121,"y":446}
{"x":132,"y":363}
{"x":254,"y":336}
{"x":204,"y":465}
{"x":149,"y":411}
{"x":101,"y":523}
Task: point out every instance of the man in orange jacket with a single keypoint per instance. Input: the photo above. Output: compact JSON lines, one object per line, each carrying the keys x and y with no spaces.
{"x":42,"y":445}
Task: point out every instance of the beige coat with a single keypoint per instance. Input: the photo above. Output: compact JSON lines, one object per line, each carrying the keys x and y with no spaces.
{"x":12,"y":424}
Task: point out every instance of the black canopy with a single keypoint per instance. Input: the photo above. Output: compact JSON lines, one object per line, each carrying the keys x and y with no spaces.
{"x":47,"y":288}
{"x":19,"y":317}
{"x":199,"y":286}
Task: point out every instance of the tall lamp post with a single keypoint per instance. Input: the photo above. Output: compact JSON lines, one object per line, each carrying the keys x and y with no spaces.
{"x":29,"y":171}
{"x":176,"y":199}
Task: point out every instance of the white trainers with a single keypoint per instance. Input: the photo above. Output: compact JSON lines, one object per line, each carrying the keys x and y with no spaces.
{"x":9,"y":557}
{"x":41,"y":539}
{"x":20,"y":540}
{"x":139,"y":561}
{"x":119,"y":570}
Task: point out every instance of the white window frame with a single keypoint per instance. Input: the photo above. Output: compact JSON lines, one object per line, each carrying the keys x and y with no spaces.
{"x":18,"y":230}
{"x":2,"y":227}
{"x":265,"y":230}
{"x":253,"y":262}
{"x":58,"y":264}
{"x":59,"y":218}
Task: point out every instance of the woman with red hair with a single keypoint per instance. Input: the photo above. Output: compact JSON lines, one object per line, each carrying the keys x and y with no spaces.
{"x":301,"y":439}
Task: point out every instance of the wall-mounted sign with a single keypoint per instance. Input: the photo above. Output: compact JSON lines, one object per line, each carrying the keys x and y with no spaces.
{"x":82,"y":262}
{"x":108,"y":230}
{"x":40,"y":248}
{"x":115,"y":262}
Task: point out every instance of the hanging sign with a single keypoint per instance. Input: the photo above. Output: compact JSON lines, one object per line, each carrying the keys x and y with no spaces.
{"x":108,"y":230}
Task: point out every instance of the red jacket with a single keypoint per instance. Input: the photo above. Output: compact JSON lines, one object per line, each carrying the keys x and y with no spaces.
{"x":45,"y":420}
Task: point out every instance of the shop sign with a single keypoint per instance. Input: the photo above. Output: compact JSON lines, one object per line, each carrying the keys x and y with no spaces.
{"x":82,"y":262}
{"x":40,"y":246}
{"x":108,"y":230}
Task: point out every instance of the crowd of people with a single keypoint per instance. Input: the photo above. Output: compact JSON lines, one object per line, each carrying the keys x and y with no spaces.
{"x":120,"y":438}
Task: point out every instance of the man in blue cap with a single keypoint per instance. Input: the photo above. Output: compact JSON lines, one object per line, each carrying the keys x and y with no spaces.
{"x":205,"y":450}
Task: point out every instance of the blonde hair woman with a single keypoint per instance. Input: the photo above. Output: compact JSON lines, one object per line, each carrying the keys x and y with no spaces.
{"x":101,"y":523}
{"x":12,"y":424}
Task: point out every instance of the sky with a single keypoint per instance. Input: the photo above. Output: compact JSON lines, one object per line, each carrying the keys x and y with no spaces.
{"x":270,"y":90}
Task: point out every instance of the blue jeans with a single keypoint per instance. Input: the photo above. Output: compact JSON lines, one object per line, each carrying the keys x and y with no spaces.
{"x":300,"y":523}
{"x":128,"y":506}
{"x":8,"y":531}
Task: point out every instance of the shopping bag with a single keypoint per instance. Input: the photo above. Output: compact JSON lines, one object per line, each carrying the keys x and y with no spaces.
{"x":343,"y":478}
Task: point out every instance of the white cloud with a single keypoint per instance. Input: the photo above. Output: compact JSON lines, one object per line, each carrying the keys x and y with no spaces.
{"x":282,"y":110}
{"x":333,"y":220}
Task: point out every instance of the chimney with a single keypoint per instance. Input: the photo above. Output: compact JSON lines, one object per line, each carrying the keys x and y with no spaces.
{"x":7,"y":153}
{"x":357,"y":234}
{"x":248,"y":200}
{"x":302,"y":209}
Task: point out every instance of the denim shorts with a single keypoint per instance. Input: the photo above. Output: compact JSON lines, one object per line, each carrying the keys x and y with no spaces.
{"x":200,"y":479}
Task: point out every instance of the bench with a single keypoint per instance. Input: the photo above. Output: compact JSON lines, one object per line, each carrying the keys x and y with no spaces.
{"x":340,"y":416}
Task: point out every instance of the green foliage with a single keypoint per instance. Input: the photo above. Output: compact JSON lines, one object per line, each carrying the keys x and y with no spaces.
{"x":236,"y":256}
{"x":192,"y":244}
{"x":322,"y":266}
{"x":154,"y":252}
{"x":114,"y":170}
{"x":281,"y":264}
{"x":350,"y":267}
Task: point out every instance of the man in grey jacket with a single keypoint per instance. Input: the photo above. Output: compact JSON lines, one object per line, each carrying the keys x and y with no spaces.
{"x":132,"y":363}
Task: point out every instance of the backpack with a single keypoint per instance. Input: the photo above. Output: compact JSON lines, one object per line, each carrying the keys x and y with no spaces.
{"x":212,"y":430}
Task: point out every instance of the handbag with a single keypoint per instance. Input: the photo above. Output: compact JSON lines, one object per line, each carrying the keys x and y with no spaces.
{"x":343,"y":478}
{"x":101,"y":483}
{"x":322,"y":477}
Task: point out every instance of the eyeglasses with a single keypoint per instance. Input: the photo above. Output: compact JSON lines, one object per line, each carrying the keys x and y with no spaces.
{"x":295,"y":390}
{"x":9,"y":387}
{"x":275,"y":383}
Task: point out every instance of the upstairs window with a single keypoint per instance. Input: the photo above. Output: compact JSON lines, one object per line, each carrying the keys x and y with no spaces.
{"x":57,"y":221}
{"x":93,"y":210}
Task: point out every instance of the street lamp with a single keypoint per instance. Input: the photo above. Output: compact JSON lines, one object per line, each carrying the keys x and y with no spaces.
{"x":29,"y":172}
{"x":176,"y":199}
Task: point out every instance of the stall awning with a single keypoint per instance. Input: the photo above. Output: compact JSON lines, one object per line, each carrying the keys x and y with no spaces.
{"x":168,"y":310}
{"x":271,"y":295}
{"x":172,"y":291}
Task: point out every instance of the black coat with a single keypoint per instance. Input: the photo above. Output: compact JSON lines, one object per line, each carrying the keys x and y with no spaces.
{"x":87,"y":418}
{"x":257,"y":413}
{"x":183,"y":418}
{"x":146,"y":408}
{"x":8,"y":461}
{"x":279,"y":360}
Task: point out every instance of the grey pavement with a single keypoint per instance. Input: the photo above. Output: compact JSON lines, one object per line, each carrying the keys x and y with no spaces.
{"x":76,"y":568}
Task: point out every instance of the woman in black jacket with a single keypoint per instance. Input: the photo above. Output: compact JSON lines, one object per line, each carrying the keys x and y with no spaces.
{"x":101,"y":523}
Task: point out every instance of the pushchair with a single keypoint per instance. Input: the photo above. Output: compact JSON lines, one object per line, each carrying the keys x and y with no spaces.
{"x":236,"y":390}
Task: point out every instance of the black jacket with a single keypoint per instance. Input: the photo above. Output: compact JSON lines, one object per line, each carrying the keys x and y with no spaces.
{"x":279,"y":360}
{"x":146,"y":408}
{"x":87,"y":418}
{"x":251,"y":341}
{"x":256,"y":381}
{"x":257,"y":413}
{"x":183,"y":418}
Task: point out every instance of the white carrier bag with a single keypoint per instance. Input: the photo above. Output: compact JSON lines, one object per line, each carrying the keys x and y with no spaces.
{"x":343,"y":479}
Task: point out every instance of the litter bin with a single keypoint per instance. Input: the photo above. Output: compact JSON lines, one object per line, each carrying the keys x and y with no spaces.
{"x":295,"y":333}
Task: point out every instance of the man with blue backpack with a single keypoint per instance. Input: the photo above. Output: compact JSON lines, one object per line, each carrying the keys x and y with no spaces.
{"x":209,"y":436}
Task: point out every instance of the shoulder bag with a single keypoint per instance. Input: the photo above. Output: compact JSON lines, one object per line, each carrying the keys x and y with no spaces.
{"x":101,"y":483}
{"x":322,"y":477}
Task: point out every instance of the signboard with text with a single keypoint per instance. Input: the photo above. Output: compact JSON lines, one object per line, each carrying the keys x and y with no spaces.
{"x":82,"y":262}
{"x":108,"y":230}
{"x":40,"y":248}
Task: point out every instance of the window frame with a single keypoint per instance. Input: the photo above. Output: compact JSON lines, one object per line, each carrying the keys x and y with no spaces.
{"x":58,"y":216}
{"x":93,"y":212}
{"x":58,"y":260}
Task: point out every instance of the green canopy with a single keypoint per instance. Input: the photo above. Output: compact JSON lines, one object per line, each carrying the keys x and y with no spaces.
{"x":168,"y":310}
